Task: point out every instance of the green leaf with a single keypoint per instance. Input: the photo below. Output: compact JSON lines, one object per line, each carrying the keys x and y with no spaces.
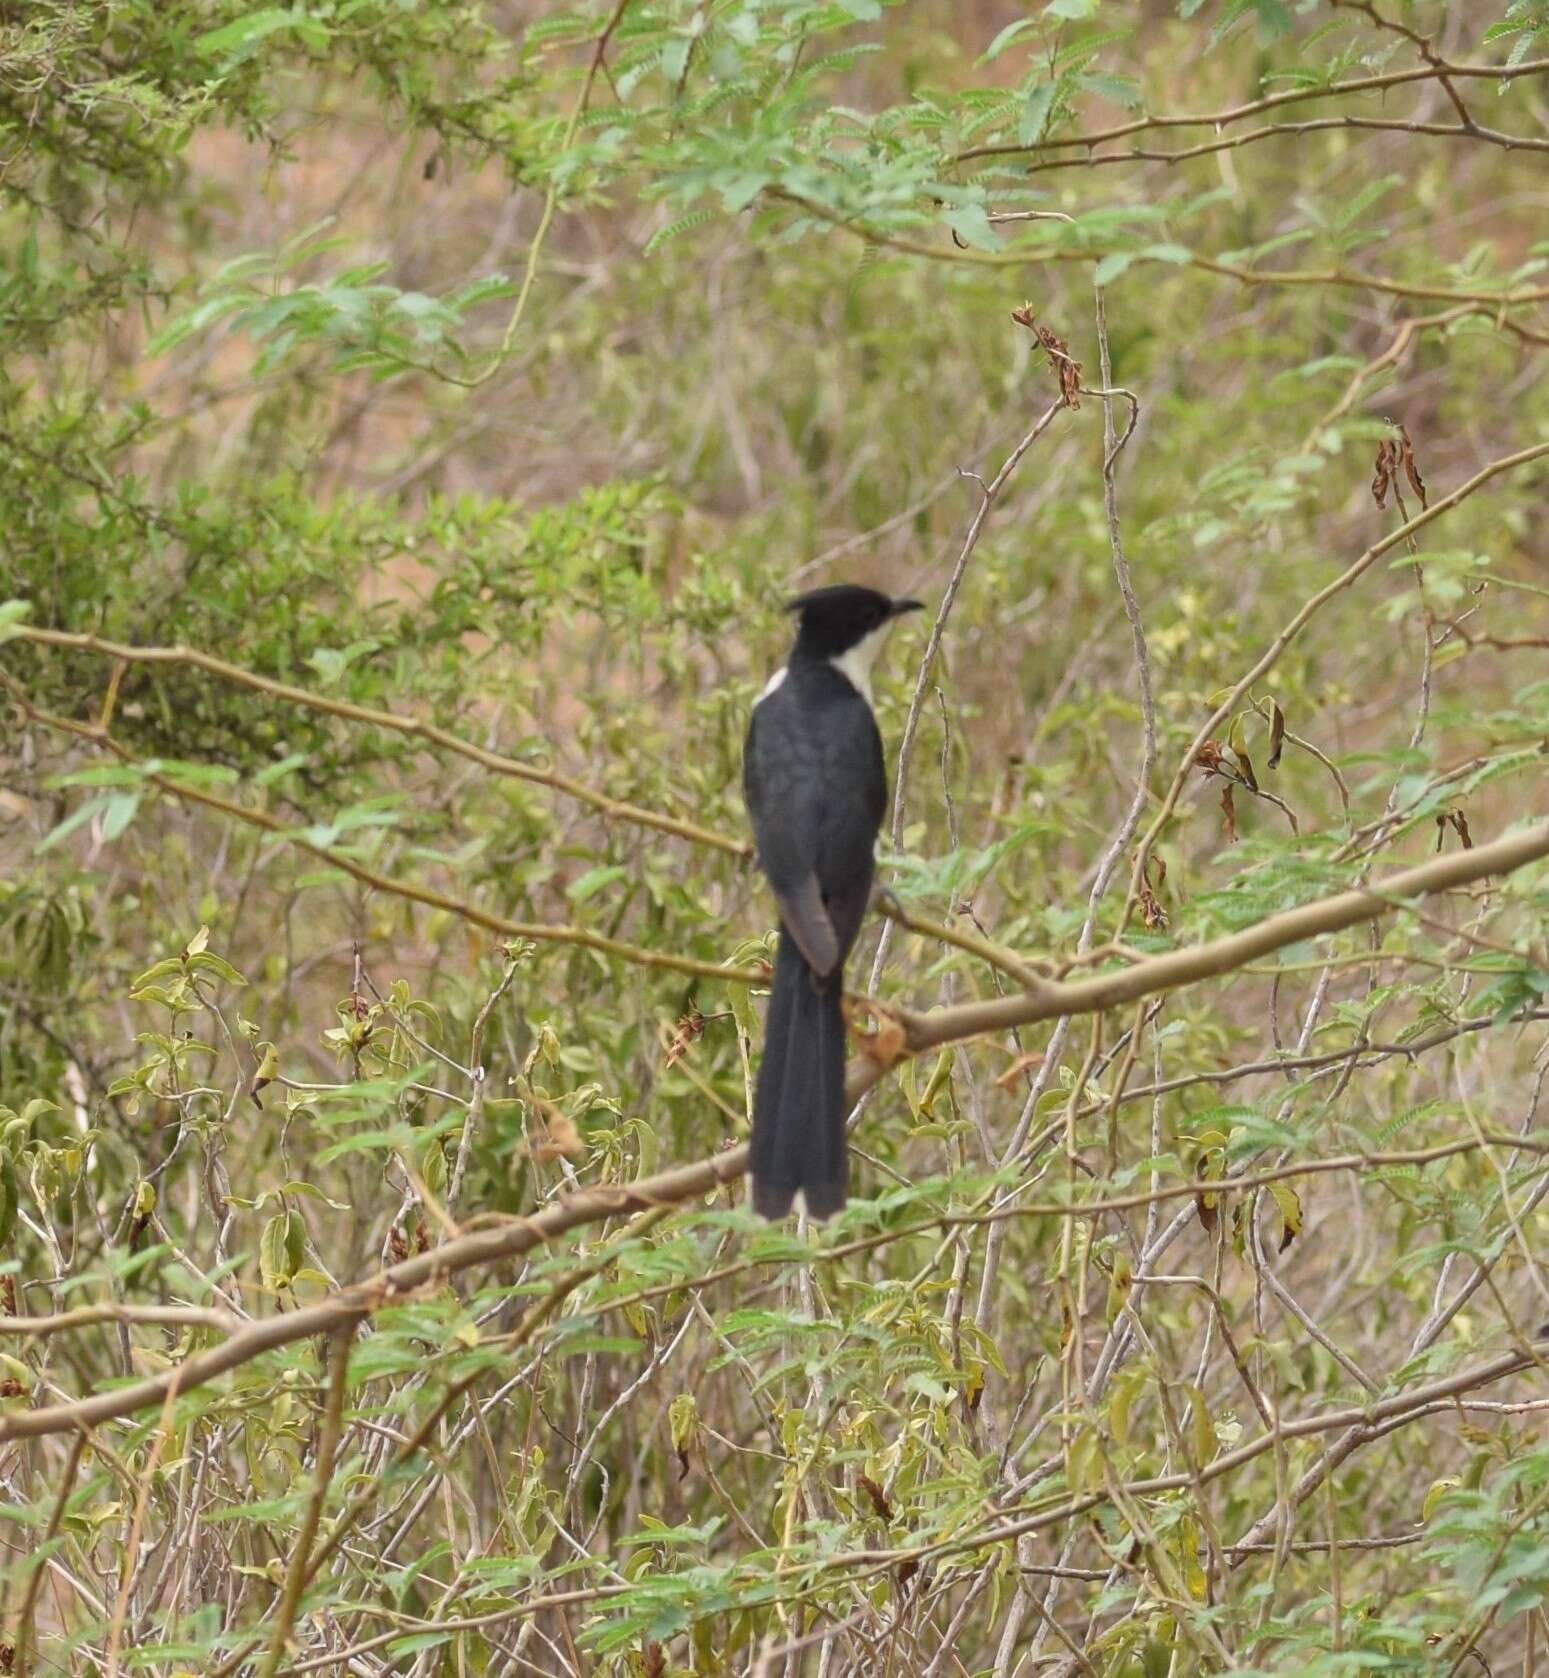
{"x":1122,"y":90}
{"x":118,"y":813}
{"x":99,"y":775}
{"x":246,"y":32}
{"x":1438,"y":1490}
{"x":741,"y":188}
{"x":1177,"y":254}
{"x":281,"y":1249}
{"x":217,"y":967}
{"x":9,"y":1199}
{"x":593,"y":881}
{"x":1274,"y":21}
{"x":277,"y":771}
{"x":411,"y":1643}
{"x":684,"y":224}
{"x":78,"y":817}
{"x":1111,"y":266}
{"x":431,"y":1163}
{"x":971,"y":223}
{"x":1010,"y":34}
{"x":1035,"y":114}
{"x":12,"y":612}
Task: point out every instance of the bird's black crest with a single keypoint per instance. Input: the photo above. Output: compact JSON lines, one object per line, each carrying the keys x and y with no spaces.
{"x":841,"y":598}
{"x":836,"y":618}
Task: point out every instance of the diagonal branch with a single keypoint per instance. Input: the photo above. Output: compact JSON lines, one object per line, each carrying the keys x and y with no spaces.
{"x":539,"y":932}
{"x":1176,"y":968}
{"x":1048,"y":1000}
{"x":1271,"y":130}
{"x":1270,"y":102}
{"x":1497,"y":302}
{"x":1271,"y":654}
{"x":615,"y":809}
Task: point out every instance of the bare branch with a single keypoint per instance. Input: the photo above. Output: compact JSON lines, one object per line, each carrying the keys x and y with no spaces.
{"x":1050,"y":1000}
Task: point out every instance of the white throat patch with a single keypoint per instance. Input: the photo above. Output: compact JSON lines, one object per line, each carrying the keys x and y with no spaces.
{"x":855,"y":665}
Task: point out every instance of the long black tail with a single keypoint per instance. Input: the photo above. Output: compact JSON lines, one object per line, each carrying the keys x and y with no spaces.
{"x":799,"y":1107}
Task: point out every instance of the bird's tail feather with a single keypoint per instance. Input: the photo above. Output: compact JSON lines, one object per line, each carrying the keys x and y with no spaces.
{"x":799,"y":1105}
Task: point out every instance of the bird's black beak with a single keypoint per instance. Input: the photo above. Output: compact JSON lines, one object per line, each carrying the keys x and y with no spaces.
{"x":899,"y":607}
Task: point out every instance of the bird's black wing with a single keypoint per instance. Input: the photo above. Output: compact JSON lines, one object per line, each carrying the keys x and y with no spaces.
{"x":815,"y":787}
{"x":781,"y":782}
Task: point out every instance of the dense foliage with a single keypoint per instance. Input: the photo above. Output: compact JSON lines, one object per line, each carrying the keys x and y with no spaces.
{"x":413,"y":416}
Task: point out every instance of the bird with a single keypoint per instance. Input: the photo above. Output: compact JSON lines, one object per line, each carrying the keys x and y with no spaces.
{"x":815,"y":787}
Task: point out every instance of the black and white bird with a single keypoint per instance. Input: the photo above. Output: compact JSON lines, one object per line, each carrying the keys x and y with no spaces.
{"x":815,"y":786}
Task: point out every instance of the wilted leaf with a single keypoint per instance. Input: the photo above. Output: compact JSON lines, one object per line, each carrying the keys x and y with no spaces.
{"x":690,"y":1029}
{"x":1193,"y":1573}
{"x":883,"y":1045}
{"x":1382,"y":471}
{"x":1023,"y":1063}
{"x":431,"y":1163}
{"x":1066,"y":370}
{"x":1438,"y":1490}
{"x":683,"y":1419}
{"x":9,"y":1202}
{"x":1237,"y":739}
{"x":1458,"y":822}
{"x":876,"y":1497}
{"x":267,"y":1071}
{"x":1290,"y":1204}
{"x":1276,"y":734}
{"x":1121,"y":1278}
{"x":560,"y":1137}
{"x":281,"y":1250}
{"x":1411,"y":470}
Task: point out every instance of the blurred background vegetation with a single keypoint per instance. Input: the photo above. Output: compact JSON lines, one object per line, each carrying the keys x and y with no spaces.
{"x":504,"y":367}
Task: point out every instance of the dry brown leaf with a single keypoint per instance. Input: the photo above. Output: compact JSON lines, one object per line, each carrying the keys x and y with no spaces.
{"x":560,"y":1137}
{"x":884,"y":1045}
{"x":1023,"y":1063}
{"x":878,"y":1498}
{"x":1396,"y":454}
{"x":1066,"y":369}
{"x":1406,"y":451}
{"x":1276,"y":734}
{"x":1458,"y":822}
{"x":1153,"y":915}
{"x":690,"y":1029}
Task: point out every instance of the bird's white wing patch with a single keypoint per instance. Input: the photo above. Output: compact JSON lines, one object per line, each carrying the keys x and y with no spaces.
{"x":771,"y":685}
